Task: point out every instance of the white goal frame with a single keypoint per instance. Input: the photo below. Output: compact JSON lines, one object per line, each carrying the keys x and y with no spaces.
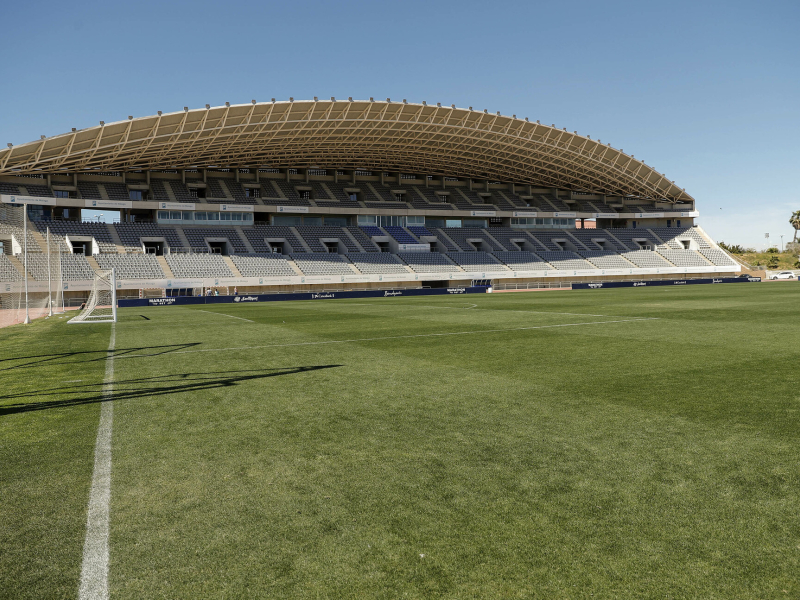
{"x":104,"y":292}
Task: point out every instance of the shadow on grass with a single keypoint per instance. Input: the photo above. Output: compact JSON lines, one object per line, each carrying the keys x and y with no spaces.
{"x":40,"y":359}
{"x":130,"y":389}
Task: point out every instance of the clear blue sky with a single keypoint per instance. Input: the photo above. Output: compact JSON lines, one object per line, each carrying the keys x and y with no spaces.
{"x":706,"y":92}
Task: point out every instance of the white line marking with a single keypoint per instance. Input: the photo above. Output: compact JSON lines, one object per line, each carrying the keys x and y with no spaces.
{"x":94,"y":570}
{"x":475,"y":307}
{"x":213,"y":312}
{"x":396,"y":337}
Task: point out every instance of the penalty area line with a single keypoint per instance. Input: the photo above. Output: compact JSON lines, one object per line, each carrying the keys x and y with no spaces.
{"x":212,"y":312}
{"x":94,"y":568}
{"x":400,"y":337}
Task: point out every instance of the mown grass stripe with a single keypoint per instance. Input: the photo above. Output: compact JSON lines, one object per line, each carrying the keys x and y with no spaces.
{"x":400,"y":337}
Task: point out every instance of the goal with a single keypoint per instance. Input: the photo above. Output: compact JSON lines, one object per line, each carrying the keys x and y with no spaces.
{"x":101,"y":307}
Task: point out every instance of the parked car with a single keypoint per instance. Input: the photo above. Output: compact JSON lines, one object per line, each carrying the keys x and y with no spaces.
{"x":782,"y":275}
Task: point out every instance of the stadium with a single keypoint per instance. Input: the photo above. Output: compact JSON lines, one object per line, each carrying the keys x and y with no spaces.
{"x":347,"y":195}
{"x":378,"y":349}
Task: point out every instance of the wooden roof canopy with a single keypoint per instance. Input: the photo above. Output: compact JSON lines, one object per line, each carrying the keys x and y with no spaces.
{"x":364,"y":135}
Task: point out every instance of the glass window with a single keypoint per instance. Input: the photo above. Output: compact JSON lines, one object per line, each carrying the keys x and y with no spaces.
{"x":175,"y":215}
{"x":213,"y":216}
{"x":312,"y":221}
{"x":224,"y":216}
{"x":61,"y":193}
{"x":415,"y":220}
{"x":200,"y":216}
{"x":453,"y":223}
{"x":135,"y":194}
{"x":187,"y":215}
{"x":286,"y":221}
{"x":163,"y":214}
{"x":336,"y":221}
{"x":367,"y":220}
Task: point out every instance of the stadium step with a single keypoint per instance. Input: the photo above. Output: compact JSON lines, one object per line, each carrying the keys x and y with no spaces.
{"x":93,"y":263}
{"x":354,"y":240}
{"x":115,"y":238}
{"x":183,"y":238}
{"x":232,"y":266}
{"x":39,"y":238}
{"x":293,"y":266}
{"x":493,"y":239}
{"x":165,"y":267}
{"x":244,"y":240}
{"x":19,"y":266}
{"x":300,"y":239}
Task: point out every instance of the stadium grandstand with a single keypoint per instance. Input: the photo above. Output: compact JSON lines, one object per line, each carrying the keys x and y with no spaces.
{"x":304,"y":195}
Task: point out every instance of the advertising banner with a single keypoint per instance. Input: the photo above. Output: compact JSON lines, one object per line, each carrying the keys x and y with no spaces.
{"x":235,"y":208}
{"x":293,"y":209}
{"x":525,"y":213}
{"x":108,"y":204}
{"x":176,"y":205}
{"x":482,"y":213}
{"x":414,"y":247}
{"x":665,"y":282}
{"x":16,"y":199}
{"x":571,"y":215}
{"x":258,"y":298}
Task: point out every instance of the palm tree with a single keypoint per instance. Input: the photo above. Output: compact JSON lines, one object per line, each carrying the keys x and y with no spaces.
{"x":795,"y":222}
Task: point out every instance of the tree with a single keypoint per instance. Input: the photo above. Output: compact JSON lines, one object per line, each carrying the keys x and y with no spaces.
{"x":733,"y":248}
{"x":795,"y":222}
{"x":772,"y":263}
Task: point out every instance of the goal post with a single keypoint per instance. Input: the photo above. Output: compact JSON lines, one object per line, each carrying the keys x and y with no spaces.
{"x":101,"y":307}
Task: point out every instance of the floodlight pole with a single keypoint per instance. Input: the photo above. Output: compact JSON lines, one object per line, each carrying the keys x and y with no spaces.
{"x":49,"y":277}
{"x":25,"y":258}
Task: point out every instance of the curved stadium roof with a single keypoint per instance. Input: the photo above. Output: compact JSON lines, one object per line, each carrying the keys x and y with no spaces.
{"x":365,"y":135}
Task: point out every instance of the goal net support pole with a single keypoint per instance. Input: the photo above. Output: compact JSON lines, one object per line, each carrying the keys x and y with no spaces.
{"x":25,"y":258}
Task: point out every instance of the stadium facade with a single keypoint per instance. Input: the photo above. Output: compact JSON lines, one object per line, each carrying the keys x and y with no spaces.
{"x":324,"y":194}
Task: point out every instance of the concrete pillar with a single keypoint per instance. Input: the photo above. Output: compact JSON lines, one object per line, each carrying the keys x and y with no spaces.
{"x":183,"y":176}
{"x":236,"y":170}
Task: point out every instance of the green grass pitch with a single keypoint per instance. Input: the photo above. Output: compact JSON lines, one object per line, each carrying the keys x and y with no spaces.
{"x":633,"y":443}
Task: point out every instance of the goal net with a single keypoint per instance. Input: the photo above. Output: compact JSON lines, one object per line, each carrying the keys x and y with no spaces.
{"x":101,"y":307}
{"x":31,"y":281}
